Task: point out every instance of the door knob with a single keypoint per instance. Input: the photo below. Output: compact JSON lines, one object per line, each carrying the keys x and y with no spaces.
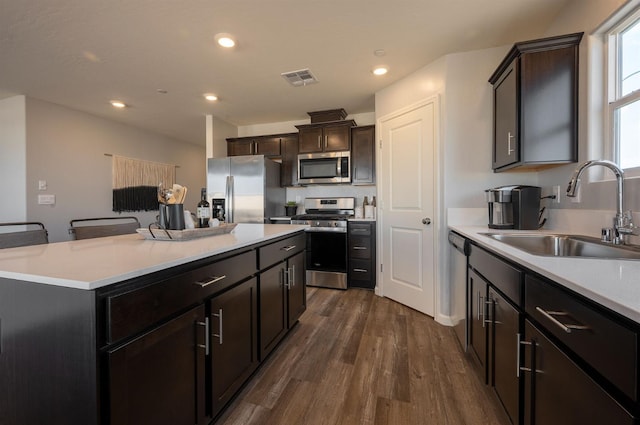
{"x":426,"y":221}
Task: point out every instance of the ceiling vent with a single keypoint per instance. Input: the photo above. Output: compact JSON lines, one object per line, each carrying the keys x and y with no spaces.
{"x":298,"y":78}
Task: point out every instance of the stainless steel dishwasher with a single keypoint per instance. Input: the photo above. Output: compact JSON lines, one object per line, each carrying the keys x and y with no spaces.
{"x":458,"y":263}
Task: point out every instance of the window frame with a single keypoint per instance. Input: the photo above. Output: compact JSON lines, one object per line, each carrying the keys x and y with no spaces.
{"x":613,"y":85}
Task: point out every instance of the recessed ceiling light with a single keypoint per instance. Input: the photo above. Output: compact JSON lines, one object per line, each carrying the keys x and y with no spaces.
{"x":225,"y":40}
{"x":118,"y":104}
{"x":210,"y":97}
{"x":380,"y":70}
{"x":379,"y":52}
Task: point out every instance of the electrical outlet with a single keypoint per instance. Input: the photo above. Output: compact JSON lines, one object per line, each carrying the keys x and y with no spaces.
{"x":556,"y":192}
{"x":42,"y":185}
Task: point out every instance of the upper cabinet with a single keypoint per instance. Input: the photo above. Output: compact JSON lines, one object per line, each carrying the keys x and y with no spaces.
{"x":325,"y":137}
{"x":260,"y":145}
{"x":363,"y":165}
{"x":535,"y":104}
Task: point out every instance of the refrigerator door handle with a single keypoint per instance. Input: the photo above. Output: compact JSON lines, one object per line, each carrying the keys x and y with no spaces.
{"x":229,"y":195}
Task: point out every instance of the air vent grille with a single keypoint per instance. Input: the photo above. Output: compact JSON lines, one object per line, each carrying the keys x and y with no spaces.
{"x":299,"y":78}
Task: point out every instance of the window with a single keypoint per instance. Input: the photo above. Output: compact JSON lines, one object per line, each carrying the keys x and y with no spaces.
{"x":624,"y":91}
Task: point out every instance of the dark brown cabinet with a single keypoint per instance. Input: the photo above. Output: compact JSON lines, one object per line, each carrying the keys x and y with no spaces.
{"x":361,"y":244}
{"x":159,"y":377}
{"x":495,"y":289}
{"x":558,"y":391}
{"x":261,"y":145}
{"x":363,"y":166}
{"x":282,"y":290}
{"x":535,"y":103}
{"x":289,"y":170}
{"x":326,"y":137}
{"x":233,"y":335}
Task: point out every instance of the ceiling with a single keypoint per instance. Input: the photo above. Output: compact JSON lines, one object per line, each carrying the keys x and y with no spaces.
{"x":84,"y":53}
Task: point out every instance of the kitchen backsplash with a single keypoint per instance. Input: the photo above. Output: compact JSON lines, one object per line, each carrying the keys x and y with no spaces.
{"x":297,"y":194}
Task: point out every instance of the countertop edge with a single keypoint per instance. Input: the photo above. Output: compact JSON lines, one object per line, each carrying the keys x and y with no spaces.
{"x":607,"y":282}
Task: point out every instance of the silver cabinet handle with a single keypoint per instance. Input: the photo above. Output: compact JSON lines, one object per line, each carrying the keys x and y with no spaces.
{"x":219,"y":334}
{"x":292,"y":275}
{"x":478,"y":306}
{"x":319,"y":142}
{"x":210,"y":281}
{"x":509,"y":150}
{"x":487,"y":304}
{"x":360,"y":248}
{"x":285,"y":278}
{"x":326,"y":141}
{"x":520,"y":343}
{"x":567,"y":328}
{"x":206,"y":335}
{"x":287,"y":248}
{"x":361,"y":270}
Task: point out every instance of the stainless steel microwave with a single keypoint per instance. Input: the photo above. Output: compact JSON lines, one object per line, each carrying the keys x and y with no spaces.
{"x":324,"y":167}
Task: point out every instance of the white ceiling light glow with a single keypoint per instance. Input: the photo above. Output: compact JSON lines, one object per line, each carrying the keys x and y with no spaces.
{"x":380,"y":70}
{"x":210,"y":97}
{"x":225,"y":40}
{"x":118,"y":104}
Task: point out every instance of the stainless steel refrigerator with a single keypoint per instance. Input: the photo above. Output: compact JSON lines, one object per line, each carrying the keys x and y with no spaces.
{"x":249,"y":185}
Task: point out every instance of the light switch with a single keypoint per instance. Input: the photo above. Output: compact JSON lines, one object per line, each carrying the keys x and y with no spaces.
{"x":42,"y":185}
{"x":46,"y":199}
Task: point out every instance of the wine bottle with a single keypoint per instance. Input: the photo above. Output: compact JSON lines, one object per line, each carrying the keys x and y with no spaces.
{"x":203,"y":213}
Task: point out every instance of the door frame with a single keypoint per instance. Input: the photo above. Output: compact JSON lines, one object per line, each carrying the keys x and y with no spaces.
{"x":437,"y":221}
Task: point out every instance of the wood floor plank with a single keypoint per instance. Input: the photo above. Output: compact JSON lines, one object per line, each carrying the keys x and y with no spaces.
{"x":359,"y":359}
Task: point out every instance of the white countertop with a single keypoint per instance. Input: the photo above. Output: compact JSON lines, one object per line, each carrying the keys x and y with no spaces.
{"x":613,"y":283}
{"x":93,"y":263}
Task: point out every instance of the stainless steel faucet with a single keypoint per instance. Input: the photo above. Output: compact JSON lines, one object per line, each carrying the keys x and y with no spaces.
{"x":622,"y":222}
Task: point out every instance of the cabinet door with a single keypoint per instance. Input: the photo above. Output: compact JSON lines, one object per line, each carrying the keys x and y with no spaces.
{"x":310,"y":140}
{"x":506,"y":137}
{"x":337,"y":138}
{"x":158,"y":378}
{"x":234,"y":341}
{"x":296,"y":289}
{"x":268,"y":146}
{"x":240,"y":147}
{"x":477,"y":326}
{"x":504,"y":353}
{"x":557,"y":391}
{"x":273,"y":314}
{"x":363,"y":155}
{"x":289,"y":169}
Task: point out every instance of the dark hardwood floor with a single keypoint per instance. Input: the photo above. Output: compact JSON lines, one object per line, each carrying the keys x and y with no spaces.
{"x":356,"y":358}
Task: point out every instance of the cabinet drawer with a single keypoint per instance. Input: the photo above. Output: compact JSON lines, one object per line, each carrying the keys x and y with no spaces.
{"x":130,"y":312}
{"x":278,"y":251}
{"x":359,"y":247}
{"x":359,"y":229}
{"x":608,"y":346}
{"x":502,"y":275}
{"x":360,"y":270}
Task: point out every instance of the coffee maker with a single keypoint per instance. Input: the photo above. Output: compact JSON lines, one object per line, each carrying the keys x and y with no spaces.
{"x":217,"y":208}
{"x":514,"y":207}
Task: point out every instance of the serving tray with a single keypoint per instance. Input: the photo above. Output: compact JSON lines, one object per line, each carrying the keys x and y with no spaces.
{"x":157,"y":234}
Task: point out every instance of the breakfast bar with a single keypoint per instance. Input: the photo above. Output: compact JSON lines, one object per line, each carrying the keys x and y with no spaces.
{"x":122,"y":329}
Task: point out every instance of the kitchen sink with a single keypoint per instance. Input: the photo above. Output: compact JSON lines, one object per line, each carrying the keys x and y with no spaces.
{"x":556,"y":245}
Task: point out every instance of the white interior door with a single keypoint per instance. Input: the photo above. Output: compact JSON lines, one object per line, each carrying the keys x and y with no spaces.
{"x":408,"y":194}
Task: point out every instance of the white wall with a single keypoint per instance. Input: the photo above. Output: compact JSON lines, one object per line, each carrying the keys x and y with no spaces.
{"x":13,"y":153}
{"x":66,"y":148}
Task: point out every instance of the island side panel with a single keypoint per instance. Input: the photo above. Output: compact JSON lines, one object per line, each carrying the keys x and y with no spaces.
{"x":48,"y":368}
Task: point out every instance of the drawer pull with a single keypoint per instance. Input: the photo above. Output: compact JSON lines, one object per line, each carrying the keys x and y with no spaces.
{"x":206,"y":335}
{"x":288,"y":248}
{"x":359,"y":248}
{"x":219,"y":334}
{"x":209,"y":282}
{"x":361,"y":270}
{"x":567,"y":328}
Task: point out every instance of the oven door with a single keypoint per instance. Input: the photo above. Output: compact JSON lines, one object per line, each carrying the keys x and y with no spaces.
{"x":326,"y":258}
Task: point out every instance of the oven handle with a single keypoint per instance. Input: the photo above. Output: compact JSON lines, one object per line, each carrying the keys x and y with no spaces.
{"x":326,"y":229}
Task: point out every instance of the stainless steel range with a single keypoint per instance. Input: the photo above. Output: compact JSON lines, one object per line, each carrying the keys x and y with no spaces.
{"x":326,"y":258}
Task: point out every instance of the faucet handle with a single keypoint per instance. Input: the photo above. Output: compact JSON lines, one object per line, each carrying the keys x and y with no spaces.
{"x":607,"y":235}
{"x":626,"y":224}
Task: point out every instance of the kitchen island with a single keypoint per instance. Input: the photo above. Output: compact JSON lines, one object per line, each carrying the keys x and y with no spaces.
{"x":122,"y":330}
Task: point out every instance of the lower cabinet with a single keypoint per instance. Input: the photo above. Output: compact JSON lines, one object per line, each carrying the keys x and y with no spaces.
{"x":361,"y":243}
{"x":282,"y":300}
{"x":159,"y":377}
{"x":233,"y":336}
{"x":557,"y":391}
{"x":478,"y":335}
